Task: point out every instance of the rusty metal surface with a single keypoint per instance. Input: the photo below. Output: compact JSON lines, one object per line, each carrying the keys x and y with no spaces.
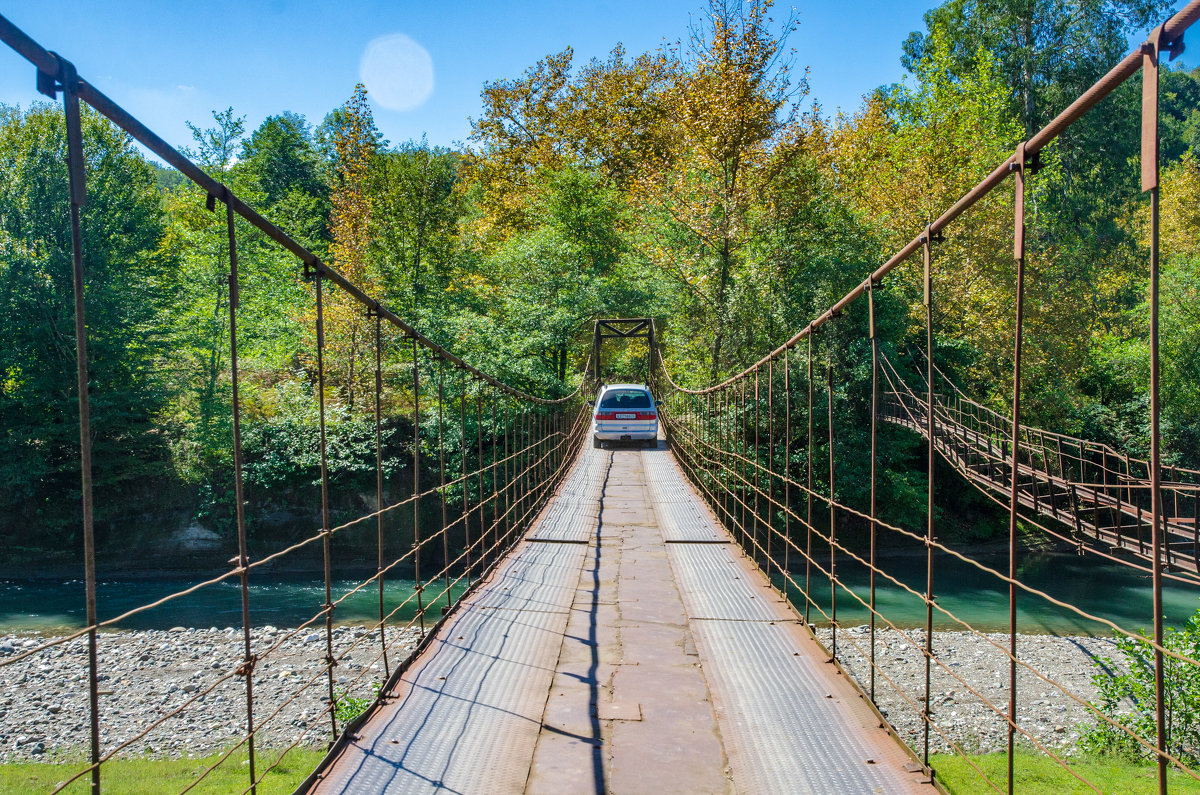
{"x":629,"y":710}
{"x":627,"y":664}
{"x":536,"y":577}
{"x":526,"y":453}
{"x":466,"y":716}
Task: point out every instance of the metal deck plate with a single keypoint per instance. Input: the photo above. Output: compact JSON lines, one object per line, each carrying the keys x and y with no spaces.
{"x":713,"y":585}
{"x":586,"y":478}
{"x":682,"y":516}
{"x":536,"y":577}
{"x":467,"y":714}
{"x":567,"y":519}
{"x":665,"y":480}
{"x":781,"y":731}
{"x":681,"y":521}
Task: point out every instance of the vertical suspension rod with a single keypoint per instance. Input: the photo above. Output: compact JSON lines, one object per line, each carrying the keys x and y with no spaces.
{"x":833,"y":583}
{"x":416,"y":464}
{"x":874,"y":459}
{"x":78,"y":198}
{"x":318,"y":280}
{"x":1150,"y":182}
{"x":379,"y":485}
{"x":247,"y":668}
{"x":442,"y":476}
{"x":931,"y":453}
{"x":808,"y":456}
{"x":1018,"y":340}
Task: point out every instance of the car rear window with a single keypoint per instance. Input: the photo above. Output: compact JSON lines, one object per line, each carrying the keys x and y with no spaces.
{"x":625,"y":399}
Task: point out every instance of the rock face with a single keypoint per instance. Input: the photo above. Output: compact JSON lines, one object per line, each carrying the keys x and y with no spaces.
{"x":971,"y":662}
{"x":146,"y":676}
{"x":191,"y":538}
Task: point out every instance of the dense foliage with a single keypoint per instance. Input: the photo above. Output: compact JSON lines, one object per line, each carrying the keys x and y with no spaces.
{"x":693,"y":184}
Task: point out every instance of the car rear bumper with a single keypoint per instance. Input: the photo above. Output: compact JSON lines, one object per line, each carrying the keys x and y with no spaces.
{"x":610,"y":431}
{"x":616,"y":436}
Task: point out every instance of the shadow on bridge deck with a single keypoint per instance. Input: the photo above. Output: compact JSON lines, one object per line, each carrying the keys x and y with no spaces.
{"x":625,"y":646}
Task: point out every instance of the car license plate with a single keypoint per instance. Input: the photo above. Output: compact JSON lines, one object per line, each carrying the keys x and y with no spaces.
{"x":627,"y":416}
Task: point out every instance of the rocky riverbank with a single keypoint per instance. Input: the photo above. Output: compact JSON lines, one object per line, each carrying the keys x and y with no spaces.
{"x":1055,"y":719}
{"x":147,"y":674}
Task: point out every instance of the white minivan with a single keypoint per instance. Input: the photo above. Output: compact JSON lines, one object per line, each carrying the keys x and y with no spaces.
{"x":624,"y":412}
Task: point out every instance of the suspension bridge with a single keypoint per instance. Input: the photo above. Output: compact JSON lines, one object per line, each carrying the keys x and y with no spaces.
{"x":628,"y":621}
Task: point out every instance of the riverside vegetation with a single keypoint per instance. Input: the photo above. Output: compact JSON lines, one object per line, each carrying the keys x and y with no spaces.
{"x":695,"y":183}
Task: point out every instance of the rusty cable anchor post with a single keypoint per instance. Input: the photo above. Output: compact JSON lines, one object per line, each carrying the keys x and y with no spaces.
{"x":68,"y":82}
{"x":238,"y":488}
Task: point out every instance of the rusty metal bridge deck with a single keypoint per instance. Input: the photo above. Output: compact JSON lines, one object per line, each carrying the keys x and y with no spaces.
{"x":624,"y":646}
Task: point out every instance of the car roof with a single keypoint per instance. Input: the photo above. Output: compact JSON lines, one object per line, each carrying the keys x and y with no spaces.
{"x":607,"y":387}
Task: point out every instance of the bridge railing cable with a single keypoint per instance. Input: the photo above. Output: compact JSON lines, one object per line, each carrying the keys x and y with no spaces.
{"x":770,"y":460}
{"x":484,"y":458}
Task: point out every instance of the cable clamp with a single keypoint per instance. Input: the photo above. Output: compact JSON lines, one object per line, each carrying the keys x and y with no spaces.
{"x":1157,"y":42}
{"x":247,"y":668}
{"x":67,"y":77}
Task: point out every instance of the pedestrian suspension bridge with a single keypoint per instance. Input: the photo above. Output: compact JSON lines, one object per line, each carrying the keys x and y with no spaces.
{"x":667,"y":620}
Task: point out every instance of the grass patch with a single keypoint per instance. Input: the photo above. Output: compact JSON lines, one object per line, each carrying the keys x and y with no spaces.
{"x":1036,"y":773}
{"x":139,"y":775}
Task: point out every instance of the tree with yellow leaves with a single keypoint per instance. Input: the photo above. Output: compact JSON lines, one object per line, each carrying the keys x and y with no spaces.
{"x":347,"y":332}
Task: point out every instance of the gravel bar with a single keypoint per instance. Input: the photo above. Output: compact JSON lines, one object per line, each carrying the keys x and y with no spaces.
{"x":1043,"y":710}
{"x":146,"y":674}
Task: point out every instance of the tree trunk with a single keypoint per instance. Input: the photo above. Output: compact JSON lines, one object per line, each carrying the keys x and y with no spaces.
{"x":721,"y":301}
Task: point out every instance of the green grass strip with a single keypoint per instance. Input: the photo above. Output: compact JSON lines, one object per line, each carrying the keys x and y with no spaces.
{"x":138,"y":776}
{"x":1036,"y":773}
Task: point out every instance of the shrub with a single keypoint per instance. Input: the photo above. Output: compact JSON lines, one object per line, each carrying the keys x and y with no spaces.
{"x":347,"y":707}
{"x":1128,"y":697}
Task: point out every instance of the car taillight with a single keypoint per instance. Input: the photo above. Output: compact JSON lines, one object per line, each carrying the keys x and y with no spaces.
{"x":606,"y":415}
{"x":647,"y":415}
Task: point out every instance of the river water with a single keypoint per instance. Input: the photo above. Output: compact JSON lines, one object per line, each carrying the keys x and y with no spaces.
{"x":285,"y":601}
{"x":1107,"y":590}
{"x":1116,"y":593}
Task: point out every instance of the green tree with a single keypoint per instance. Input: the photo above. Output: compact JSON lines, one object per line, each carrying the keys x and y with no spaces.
{"x":216,"y":146}
{"x":417,"y":209}
{"x":282,"y":156}
{"x":1046,"y":51}
{"x":128,"y":284}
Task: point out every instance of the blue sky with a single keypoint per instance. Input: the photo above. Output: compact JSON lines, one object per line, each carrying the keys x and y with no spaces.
{"x":169,"y":62}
